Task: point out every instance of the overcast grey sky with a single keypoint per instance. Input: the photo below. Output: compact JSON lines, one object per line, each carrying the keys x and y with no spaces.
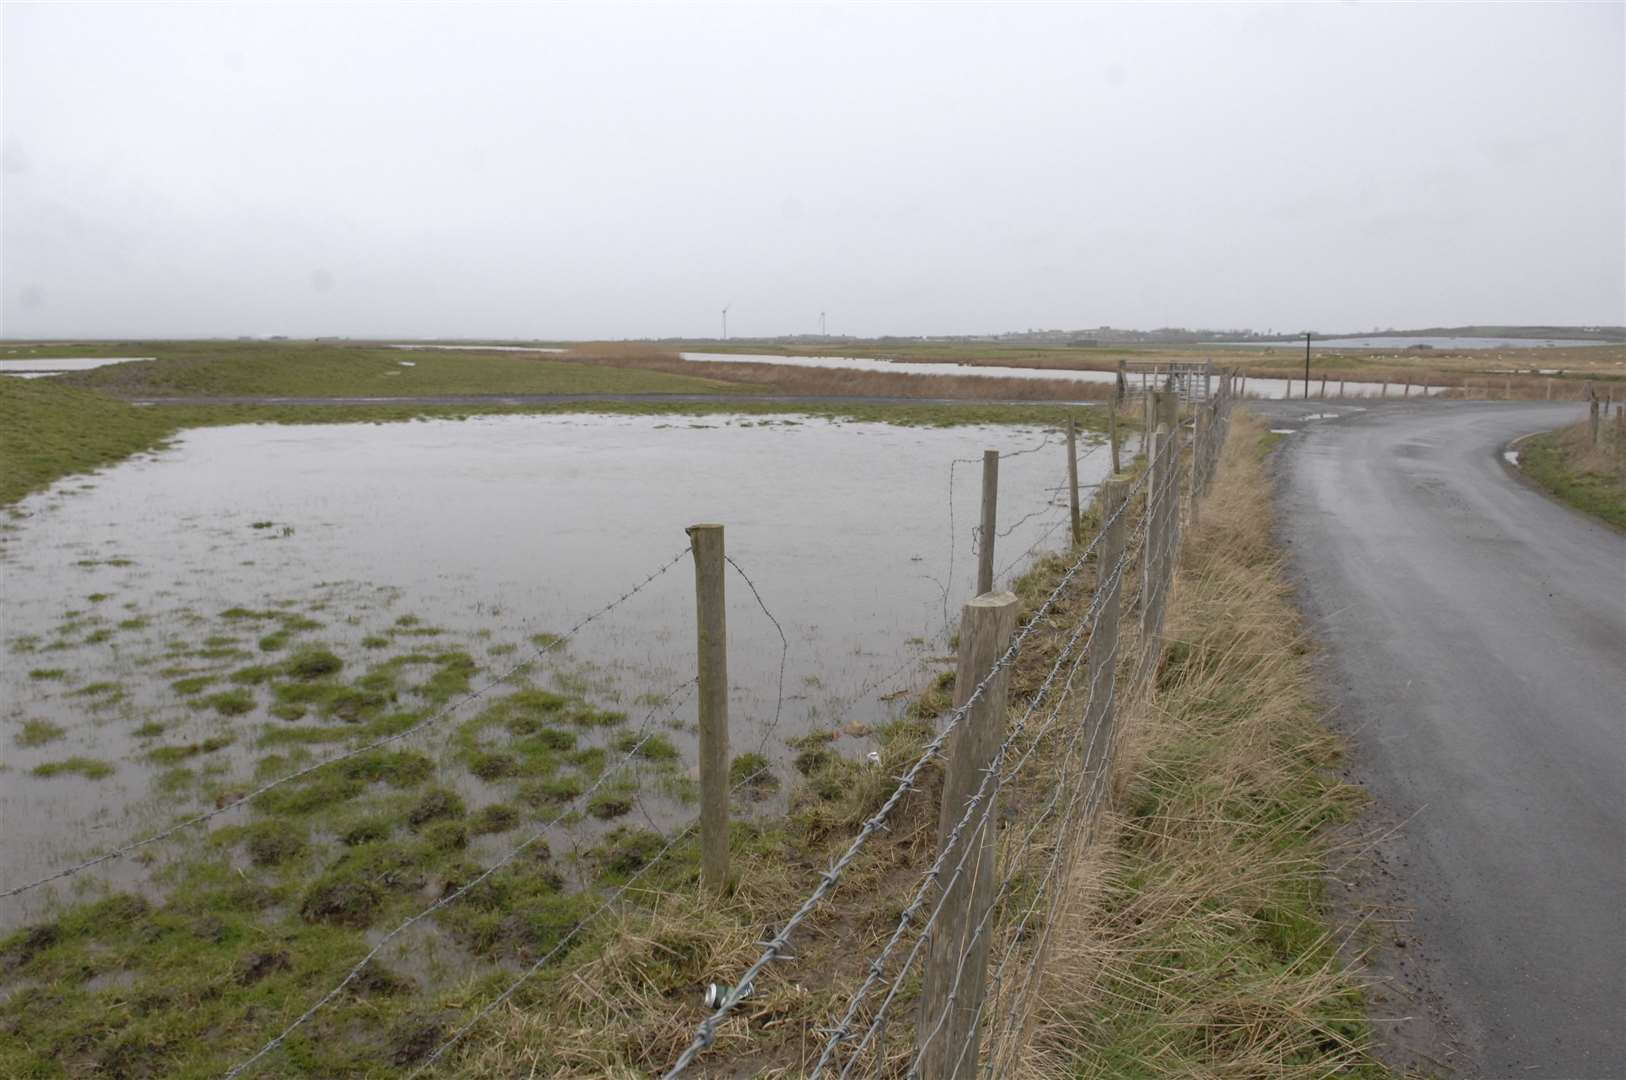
{"x":594,"y":171}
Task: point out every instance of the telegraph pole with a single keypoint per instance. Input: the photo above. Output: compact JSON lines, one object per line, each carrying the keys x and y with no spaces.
{"x":1307,"y":366}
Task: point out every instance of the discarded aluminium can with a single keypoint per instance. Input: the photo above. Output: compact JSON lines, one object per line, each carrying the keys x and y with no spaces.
{"x":715,"y":993}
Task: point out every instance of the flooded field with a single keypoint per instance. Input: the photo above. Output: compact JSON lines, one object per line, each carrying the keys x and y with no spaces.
{"x":185,"y":625}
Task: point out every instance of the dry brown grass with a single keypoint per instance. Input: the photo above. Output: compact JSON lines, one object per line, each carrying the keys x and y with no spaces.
{"x":836,"y":382}
{"x":1197,"y":941}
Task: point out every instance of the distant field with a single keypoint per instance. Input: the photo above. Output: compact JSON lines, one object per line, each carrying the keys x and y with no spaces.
{"x":319,"y":370}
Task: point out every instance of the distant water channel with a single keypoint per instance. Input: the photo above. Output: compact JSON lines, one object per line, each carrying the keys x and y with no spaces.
{"x":1259,"y":388}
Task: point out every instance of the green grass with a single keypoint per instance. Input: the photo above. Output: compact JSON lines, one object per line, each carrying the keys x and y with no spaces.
{"x":1591,"y":479}
{"x":89,"y":768}
{"x":53,"y":430}
{"x":191,"y":369}
{"x":38,"y":733}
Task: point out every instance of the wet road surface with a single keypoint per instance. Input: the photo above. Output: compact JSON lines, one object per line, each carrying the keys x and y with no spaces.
{"x":1475,"y":637}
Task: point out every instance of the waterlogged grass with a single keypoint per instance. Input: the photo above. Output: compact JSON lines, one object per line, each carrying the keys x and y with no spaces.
{"x":284,"y":904}
{"x":38,"y":733}
{"x":1590,"y":478}
{"x":89,"y":768}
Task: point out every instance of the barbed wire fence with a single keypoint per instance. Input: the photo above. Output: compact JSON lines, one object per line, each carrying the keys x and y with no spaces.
{"x":967,"y":950}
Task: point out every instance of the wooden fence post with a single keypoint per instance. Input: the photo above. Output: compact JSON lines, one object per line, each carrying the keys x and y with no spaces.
{"x":1549,"y":389}
{"x":1340,"y":388}
{"x":1072,"y":475}
{"x":1112,"y":432}
{"x":1199,"y":461}
{"x":947,"y":1011}
{"x":990,"y":508}
{"x":1103,"y":666}
{"x":1157,"y":464}
{"x":1323,"y":392}
{"x":1594,"y":420}
{"x":1620,"y":436}
{"x":706,"y":541}
{"x":1384,"y":392}
{"x":1405,"y":391}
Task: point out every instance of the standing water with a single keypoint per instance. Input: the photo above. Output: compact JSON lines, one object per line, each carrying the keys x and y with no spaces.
{"x":145,"y":604}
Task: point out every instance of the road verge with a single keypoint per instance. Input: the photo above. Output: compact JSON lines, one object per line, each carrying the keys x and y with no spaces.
{"x":1200,"y":940}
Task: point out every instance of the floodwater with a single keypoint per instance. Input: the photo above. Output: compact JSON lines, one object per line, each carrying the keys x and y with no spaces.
{"x":1258,"y":388}
{"x":33,"y":369}
{"x":488,"y":530}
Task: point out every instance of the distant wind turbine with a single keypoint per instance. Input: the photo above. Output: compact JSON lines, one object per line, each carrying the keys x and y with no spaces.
{"x":725,"y":319}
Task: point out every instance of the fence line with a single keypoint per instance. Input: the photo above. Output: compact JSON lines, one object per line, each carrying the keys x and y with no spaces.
{"x":441,"y":714}
{"x":706,"y":1032}
{"x":933,"y":872}
{"x":1173,"y":484}
{"x":983,"y":800}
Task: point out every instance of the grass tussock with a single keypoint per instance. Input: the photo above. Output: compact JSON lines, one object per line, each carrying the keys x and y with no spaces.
{"x":1197,"y":940}
{"x":1590,"y":478}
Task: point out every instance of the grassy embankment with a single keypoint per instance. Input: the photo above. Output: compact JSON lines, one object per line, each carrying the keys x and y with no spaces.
{"x":1199,"y":940}
{"x":1481,"y":372}
{"x":1590,"y":478}
{"x":69,"y":423}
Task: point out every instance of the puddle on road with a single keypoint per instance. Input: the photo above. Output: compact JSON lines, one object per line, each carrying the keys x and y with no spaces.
{"x":152,"y":609}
